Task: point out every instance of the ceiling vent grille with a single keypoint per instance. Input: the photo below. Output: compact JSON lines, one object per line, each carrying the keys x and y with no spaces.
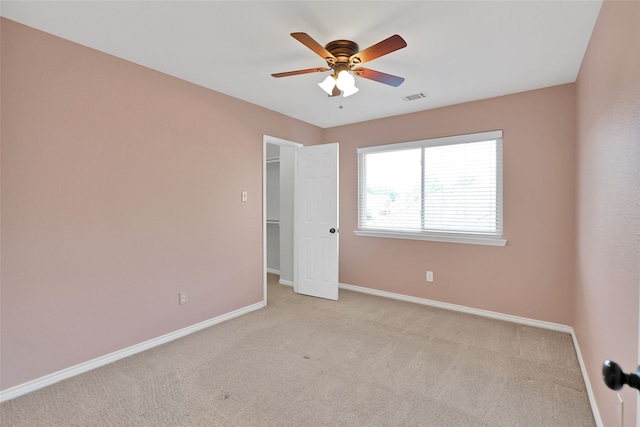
{"x":415,"y":96}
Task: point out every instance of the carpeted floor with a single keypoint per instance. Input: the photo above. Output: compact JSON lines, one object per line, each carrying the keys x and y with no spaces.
{"x":362,"y":360}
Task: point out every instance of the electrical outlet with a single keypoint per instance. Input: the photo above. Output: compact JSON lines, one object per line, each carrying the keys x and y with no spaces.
{"x":620,"y":410}
{"x":429,"y":276}
{"x":182,"y":298}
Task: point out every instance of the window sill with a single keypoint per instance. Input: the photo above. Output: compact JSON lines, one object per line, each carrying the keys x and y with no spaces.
{"x":448,"y":238}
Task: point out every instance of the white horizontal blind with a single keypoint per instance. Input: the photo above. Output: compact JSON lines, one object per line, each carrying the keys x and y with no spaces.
{"x":445,"y":185}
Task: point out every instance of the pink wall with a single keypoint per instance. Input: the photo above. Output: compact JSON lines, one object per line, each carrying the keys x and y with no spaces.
{"x":532,"y":276}
{"x":120,"y":188}
{"x":608,"y":202}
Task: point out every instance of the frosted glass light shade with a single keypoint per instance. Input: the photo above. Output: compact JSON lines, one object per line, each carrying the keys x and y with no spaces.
{"x":345,"y":80}
{"x":349,"y":91}
{"x":346,"y":83}
{"x":328,"y":84}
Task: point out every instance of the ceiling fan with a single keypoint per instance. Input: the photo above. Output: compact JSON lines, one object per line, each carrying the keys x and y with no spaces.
{"x":344,"y":58}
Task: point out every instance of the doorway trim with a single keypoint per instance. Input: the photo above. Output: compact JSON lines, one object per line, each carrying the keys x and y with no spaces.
{"x":267,"y":139}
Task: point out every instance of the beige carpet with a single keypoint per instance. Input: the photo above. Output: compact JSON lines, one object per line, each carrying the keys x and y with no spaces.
{"x":362,"y":360}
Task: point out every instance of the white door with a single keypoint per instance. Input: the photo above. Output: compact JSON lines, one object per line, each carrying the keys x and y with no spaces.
{"x":317,"y":221}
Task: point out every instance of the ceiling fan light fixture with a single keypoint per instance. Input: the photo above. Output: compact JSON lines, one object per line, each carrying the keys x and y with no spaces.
{"x":342,"y":56}
{"x":346,"y":83}
{"x":349,"y":91}
{"x":328,"y":84}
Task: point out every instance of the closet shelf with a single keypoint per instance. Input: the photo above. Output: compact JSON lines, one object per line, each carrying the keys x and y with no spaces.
{"x":273,"y":221}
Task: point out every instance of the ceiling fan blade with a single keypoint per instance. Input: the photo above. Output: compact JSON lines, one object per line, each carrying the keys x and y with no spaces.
{"x":335,"y":92}
{"x":384,"y":47}
{"x":306,"y":40}
{"x":295,"y":73}
{"x":385,"y":78}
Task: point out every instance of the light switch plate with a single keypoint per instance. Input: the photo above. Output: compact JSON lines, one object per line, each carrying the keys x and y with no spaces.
{"x":620,"y":410}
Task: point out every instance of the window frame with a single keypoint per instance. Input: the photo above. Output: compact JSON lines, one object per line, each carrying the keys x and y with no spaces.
{"x":491,"y":239}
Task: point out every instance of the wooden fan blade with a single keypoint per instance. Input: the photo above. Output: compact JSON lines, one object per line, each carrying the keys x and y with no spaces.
{"x":384,"y":47}
{"x":385,"y":78}
{"x":336,"y":91}
{"x":295,"y":73}
{"x":306,"y":40}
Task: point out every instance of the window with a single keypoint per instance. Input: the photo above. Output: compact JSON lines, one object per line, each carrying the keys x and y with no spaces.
{"x":444,"y":189}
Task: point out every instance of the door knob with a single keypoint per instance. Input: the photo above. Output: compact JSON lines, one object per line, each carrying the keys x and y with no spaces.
{"x":332,"y":230}
{"x":615,"y":378}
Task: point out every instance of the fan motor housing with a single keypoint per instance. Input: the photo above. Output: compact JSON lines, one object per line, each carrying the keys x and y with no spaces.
{"x":343,"y":50}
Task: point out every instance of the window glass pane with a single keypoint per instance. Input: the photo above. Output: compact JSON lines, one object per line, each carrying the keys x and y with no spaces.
{"x":392,"y":193}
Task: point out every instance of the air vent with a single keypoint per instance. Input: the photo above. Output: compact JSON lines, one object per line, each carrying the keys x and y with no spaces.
{"x":415,"y":96}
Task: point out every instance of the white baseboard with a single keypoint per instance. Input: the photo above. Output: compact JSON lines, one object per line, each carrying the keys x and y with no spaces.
{"x":587,"y":383}
{"x":461,"y":308}
{"x":281,"y":281}
{"x":38,"y":383}
{"x":500,"y":316}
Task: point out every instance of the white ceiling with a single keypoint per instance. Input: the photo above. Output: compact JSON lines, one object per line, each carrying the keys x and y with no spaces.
{"x":457,"y":51}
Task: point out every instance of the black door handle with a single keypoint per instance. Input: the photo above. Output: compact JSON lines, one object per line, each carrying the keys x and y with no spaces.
{"x":332,"y":230}
{"x":615,"y":378}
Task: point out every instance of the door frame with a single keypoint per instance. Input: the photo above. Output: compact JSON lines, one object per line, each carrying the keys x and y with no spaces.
{"x":267,"y":139}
